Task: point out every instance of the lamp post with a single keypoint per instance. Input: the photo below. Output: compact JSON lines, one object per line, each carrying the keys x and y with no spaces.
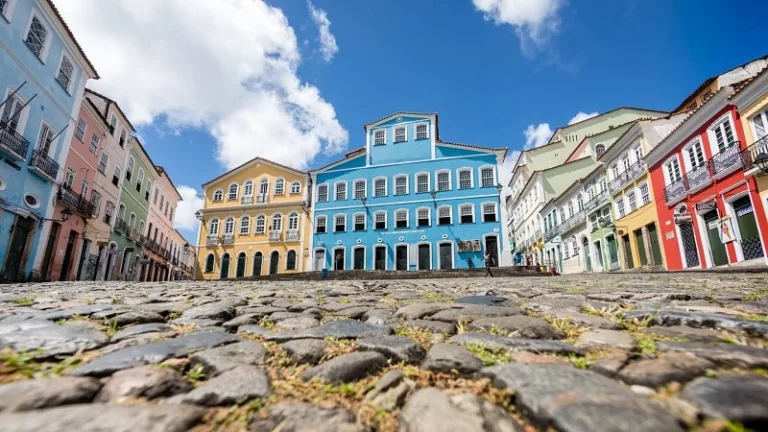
{"x":434,"y":195}
{"x":761,"y":160}
{"x":65,"y":215}
{"x":364,"y":200}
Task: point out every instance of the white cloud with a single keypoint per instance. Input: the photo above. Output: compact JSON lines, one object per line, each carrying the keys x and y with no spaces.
{"x":537,"y":136}
{"x":185,"y":212}
{"x":506,"y":172}
{"x":227,"y":66}
{"x":581,"y":116}
{"x":534,"y":21}
{"x":328,"y":46}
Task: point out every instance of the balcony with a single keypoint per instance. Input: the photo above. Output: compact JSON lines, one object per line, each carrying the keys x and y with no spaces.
{"x":597,"y":201}
{"x":754,"y":154}
{"x":175,"y":261}
{"x":12,"y":143}
{"x":262,"y":199}
{"x":75,"y":202}
{"x":573,"y":221}
{"x":537,"y":234}
{"x":675,"y":192}
{"x":602,"y":222}
{"x":627,"y":176}
{"x":727,"y":160}
{"x":141,"y":240}
{"x":228,"y":239}
{"x":212,"y":240}
{"x":246,"y":200}
{"x":132,"y":234}
{"x":44,"y":166}
{"x":275,"y":236}
{"x":292,"y":235}
{"x":121,"y":227}
{"x":699,"y":177}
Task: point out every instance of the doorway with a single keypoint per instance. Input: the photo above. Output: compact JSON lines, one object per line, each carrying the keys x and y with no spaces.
{"x":274,"y":262}
{"x":613,"y":252}
{"x":111,"y":253}
{"x":224,"y":266}
{"x":425,"y":257}
{"x":446,"y":256}
{"x":401,"y":257}
{"x":66,"y":265}
{"x":599,"y":253}
{"x":492,"y":248}
{"x":380,"y":258}
{"x":689,"y":245}
{"x":338,"y":259}
{"x":358,"y":258}
{"x":83,"y":258}
{"x":16,"y":249}
{"x":638,"y":233}
{"x":257,"y":259}
{"x":48,"y":257}
{"x":587,"y":257}
{"x":240,"y":271}
{"x":750,"y":236}
{"x":719,"y":254}
{"x":653,"y":238}
{"x":319,"y":260}
{"x":627,"y":251}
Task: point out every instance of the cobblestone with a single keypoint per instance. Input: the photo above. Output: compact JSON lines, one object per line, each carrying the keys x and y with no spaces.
{"x":607,"y":352}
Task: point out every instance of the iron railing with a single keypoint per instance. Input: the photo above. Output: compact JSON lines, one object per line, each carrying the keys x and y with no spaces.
{"x":246,"y":200}
{"x":292,"y":235}
{"x":699,"y":176}
{"x":757,"y":152}
{"x":13,"y":143}
{"x":675,"y":191}
{"x":627,"y":176}
{"x":76,"y":202}
{"x":44,"y":164}
{"x":228,"y":239}
{"x":727,"y":158}
{"x":262,"y":199}
{"x":121,"y":226}
{"x":599,"y":199}
{"x":212,"y":240}
{"x":275,"y":236}
{"x":571,"y":222}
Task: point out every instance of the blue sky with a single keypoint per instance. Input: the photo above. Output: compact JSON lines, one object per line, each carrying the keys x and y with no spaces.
{"x":488,"y":88}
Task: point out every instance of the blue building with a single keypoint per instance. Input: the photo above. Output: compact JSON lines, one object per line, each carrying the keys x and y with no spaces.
{"x":408,"y":201}
{"x":43,"y":72}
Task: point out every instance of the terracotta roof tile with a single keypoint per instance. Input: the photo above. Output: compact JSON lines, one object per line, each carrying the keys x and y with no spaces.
{"x":71,"y":35}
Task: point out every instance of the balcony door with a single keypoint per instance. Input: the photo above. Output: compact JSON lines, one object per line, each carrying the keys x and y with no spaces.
{"x":224,"y":266}
{"x":750,"y":236}
{"x":719,"y":254}
{"x":690,"y":252}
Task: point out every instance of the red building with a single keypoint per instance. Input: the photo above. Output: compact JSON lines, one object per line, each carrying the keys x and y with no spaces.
{"x":710,"y":213}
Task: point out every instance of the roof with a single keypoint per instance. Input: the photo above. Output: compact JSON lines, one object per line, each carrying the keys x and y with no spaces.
{"x":162,"y":171}
{"x":143,"y":150}
{"x":111,"y":101}
{"x":602,"y":114}
{"x":259,"y":158}
{"x":472,"y":146}
{"x":397,"y":113}
{"x":74,"y":40}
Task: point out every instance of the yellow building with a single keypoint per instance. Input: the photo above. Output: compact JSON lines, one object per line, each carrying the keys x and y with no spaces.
{"x":254,"y":221}
{"x":631,"y":190}
{"x":752,"y":104}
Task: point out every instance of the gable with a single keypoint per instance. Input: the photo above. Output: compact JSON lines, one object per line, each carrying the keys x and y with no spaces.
{"x":355,"y":162}
{"x":442,"y":151}
{"x":265,"y":165}
{"x":400,"y":119}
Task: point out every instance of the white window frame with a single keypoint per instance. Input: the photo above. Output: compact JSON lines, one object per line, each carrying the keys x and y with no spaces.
{"x":279,"y":186}
{"x":495,"y":211}
{"x":407,"y":218}
{"x":374,"y":132}
{"x":93,"y":146}
{"x":74,"y":75}
{"x":642,"y":196}
{"x":343,"y":215}
{"x":244,"y":188}
{"x":325,"y":224}
{"x":263,"y":229}
{"x":213,"y":197}
{"x":725,"y":118}
{"x":106,"y":163}
{"x":416,"y":182}
{"x":48,"y":36}
{"x":8,"y":11}
{"x":621,"y":209}
{"x":227,"y":230}
{"x":630,"y":196}
{"x":229,"y":192}
{"x":327,"y":193}
{"x":293,"y":219}
{"x":763,"y":116}
{"x":416,"y":130}
{"x":429,"y":216}
{"x":295,"y":187}
{"x":69,"y":177}
{"x":245,"y":229}
{"x":80,"y":132}
{"x":336,"y":190}
{"x":690,"y":164}
{"x":354,"y":189}
{"x":276,"y":217}
{"x":437,"y":183}
{"x":471,"y":178}
{"x":394,"y":181}
{"x":494,"y":180}
{"x":374,"y":186}
{"x":470,"y":205}
{"x":394,"y":133}
{"x":668,"y":173}
{"x":23,"y":115}
{"x":450,"y":214}
{"x":354,"y":221}
{"x":213,"y":229}
{"x":375,"y":214}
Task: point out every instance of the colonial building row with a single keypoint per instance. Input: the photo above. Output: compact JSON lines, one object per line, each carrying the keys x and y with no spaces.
{"x":78,"y":192}
{"x":680,"y":190}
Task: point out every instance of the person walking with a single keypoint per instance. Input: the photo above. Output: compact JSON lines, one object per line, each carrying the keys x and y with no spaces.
{"x":488,"y":264}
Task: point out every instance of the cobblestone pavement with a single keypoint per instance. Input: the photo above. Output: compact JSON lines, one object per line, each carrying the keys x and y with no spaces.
{"x":640,"y":352}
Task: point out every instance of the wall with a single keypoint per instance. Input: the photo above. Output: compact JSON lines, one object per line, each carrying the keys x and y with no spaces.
{"x":747,"y":113}
{"x":394,"y":152}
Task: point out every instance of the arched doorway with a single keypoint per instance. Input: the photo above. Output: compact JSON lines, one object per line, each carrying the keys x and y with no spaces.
{"x":719,"y":254}
{"x":257,"y":259}
{"x":274,"y":262}
{"x":240,"y":265}
{"x":224,"y":266}
{"x":587,"y":259}
{"x":110,"y":261}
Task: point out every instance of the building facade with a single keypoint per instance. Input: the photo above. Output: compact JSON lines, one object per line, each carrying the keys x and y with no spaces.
{"x":43,"y":72}
{"x":161,"y":248}
{"x":254,"y":222}
{"x":409,"y":201}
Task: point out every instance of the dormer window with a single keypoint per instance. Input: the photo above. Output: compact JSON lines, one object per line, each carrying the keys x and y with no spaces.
{"x":379,"y":137}
{"x":422,"y":131}
{"x":400,"y":134}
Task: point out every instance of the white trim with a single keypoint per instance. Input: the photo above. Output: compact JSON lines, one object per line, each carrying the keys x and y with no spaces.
{"x":416,"y":128}
{"x":407,"y":217}
{"x":495,"y":178}
{"x":471,"y":178}
{"x":8,"y":11}
{"x":377,"y":212}
{"x":23,"y":116}
{"x":354,"y":188}
{"x":437,"y":184}
{"x":429,"y":217}
{"x":317,"y":219}
{"x":404,"y":127}
{"x":453,"y":198}
{"x":323,"y":171}
{"x":453,"y":253}
{"x":229,"y":192}
{"x":386,"y":255}
{"x":333,"y":257}
{"x":726,"y":117}
{"x":277,"y":181}
{"x":213,"y":197}
{"x":248,"y":231}
{"x":327,"y":193}
{"x":336,"y":190}
{"x":407,"y":256}
{"x":374,"y":186}
{"x":354,"y":221}
{"x":472,"y":205}
{"x":243,"y":188}
{"x":422,"y":243}
{"x":255,"y":223}
{"x":48,"y":35}
{"x":314,"y":261}
{"x":73,"y":78}
{"x":373,"y":133}
{"x":365,"y":257}
{"x":667,"y":175}
{"x":496,"y":211}
{"x":295,"y":182}
{"x":345,"y":222}
{"x":498,"y":245}
{"x":394,"y":181}
{"x":416,"y":181}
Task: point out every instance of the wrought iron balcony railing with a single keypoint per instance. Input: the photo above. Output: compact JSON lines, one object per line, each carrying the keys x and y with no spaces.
{"x":44,"y":165}
{"x":12,"y":143}
{"x":726,"y":159}
{"x":755,"y":153}
{"x":228,"y":239}
{"x":627,"y":176}
{"x":675,"y":191}
{"x":275,"y":236}
{"x":571,"y":222}
{"x":212,"y":240}
{"x":699,"y":176}
{"x":262,"y":199}
{"x":599,"y":199}
{"x":141,"y":240}
{"x":121,"y":226}
{"x":76,"y":202}
{"x":292,"y":235}
{"x":246,"y":200}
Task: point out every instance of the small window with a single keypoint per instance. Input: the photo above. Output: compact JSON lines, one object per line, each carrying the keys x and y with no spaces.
{"x":280,"y":187}
{"x":245,"y":225}
{"x":69,"y":178}
{"x":620,"y":206}
{"x":261,"y":224}
{"x":229,"y":226}
{"x":379,"y":137}
{"x":444,"y":215}
{"x":341,"y":191}
{"x":45,"y":139}
{"x":112,"y":125}
{"x":96,"y":202}
{"x":422,"y":217}
{"x":422,"y":131}
{"x":248,"y":189}
{"x":489,"y":212}
{"x":401,"y":219}
{"x":36,"y":37}
{"x":66,"y":71}
{"x":295,"y":187}
{"x":443,"y":181}
{"x":80,"y":131}
{"x":401,"y":185}
{"x":673,"y":170}
{"x":340,"y":223}
{"x":121,"y":142}
{"x":380,"y":220}
{"x":139,"y":180}
{"x":380,"y":187}
{"x":645,"y":195}
{"x":486,"y":177}
{"x":213,"y":227}
{"x":116,"y":176}
{"x":359,"y":189}
{"x":401,"y":134}
{"x":218,"y":195}
{"x":322,"y":193}
{"x":94,"y":144}
{"x":320,"y":224}
{"x":467,"y":213}
{"x":422,"y":183}
{"x":359,"y":222}
{"x":632,"y":201}
{"x":129,"y":169}
{"x":232,"y":192}
{"x":599,"y":150}
{"x":465,"y":179}
{"x":103,"y":161}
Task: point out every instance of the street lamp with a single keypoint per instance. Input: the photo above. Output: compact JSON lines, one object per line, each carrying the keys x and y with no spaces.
{"x":364,"y":200}
{"x":198,"y":215}
{"x":761,"y":160}
{"x":434,"y":194}
{"x":65,"y":215}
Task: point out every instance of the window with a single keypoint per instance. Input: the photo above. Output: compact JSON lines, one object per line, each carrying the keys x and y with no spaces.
{"x":760,"y":124}
{"x":295,"y":187}
{"x":12,"y":112}
{"x":232,"y":195}
{"x":162,"y":200}
{"x":723,"y":135}
{"x":245,"y":225}
{"x":320,"y":224}
{"x":103,"y":161}
{"x":121,"y":142}
{"x":154,"y":200}
{"x":116,"y":175}
{"x":380,"y":220}
{"x":66,"y":70}
{"x":672,"y":167}
{"x":248,"y":189}
{"x":465,"y":179}
{"x":96,"y":201}
{"x":290,"y":262}
{"x":280,"y":187}
{"x":293,"y":221}
{"x":422,"y":131}
{"x":489,"y":212}
{"x":80,"y":131}
{"x":359,"y":222}
{"x":443,"y":181}
{"x":620,"y":206}
{"x":487,"y":177}
{"x":632,"y":201}
{"x":229,"y":226}
{"x":139,"y":180}
{"x":69,"y":178}
{"x":112,"y":124}
{"x":129,"y":168}
{"x":444,"y":215}
{"x":401,"y":219}
{"x":379,"y":137}
{"x":422,"y":217}
{"x":401,"y":185}
{"x":209,"y":262}
{"x":218,"y":195}
{"x":45,"y":138}
{"x":341,"y":191}
{"x":401,"y":134}
{"x":213,"y":227}
{"x":322,"y":193}
{"x":695,"y":154}
{"x":467,"y":213}
{"x":638,"y":151}
{"x":261,"y":224}
{"x":340,"y":223}
{"x":645,"y":195}
{"x":380,"y":187}
{"x":36,"y":37}
{"x":94,"y":144}
{"x":422,"y":183}
{"x":599,"y":150}
{"x":109,"y":209}
{"x":359,"y":189}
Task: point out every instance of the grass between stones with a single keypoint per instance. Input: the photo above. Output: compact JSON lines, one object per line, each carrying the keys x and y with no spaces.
{"x":570,"y":328}
{"x":645,"y":344}
{"x":756,"y":294}
{"x":17,"y":366}
{"x":24,"y":301}
{"x":490,"y":357}
{"x":422,"y":336}
{"x":437,"y":297}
